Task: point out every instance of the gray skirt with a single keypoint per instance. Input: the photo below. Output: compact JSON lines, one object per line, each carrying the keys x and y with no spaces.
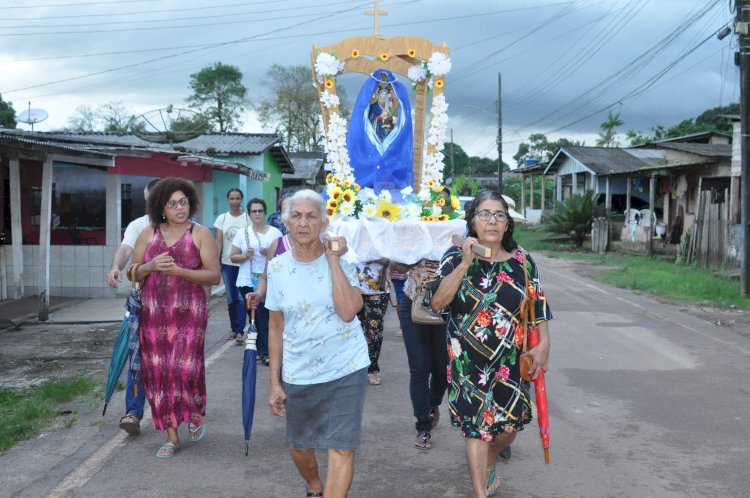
{"x":328,"y":415}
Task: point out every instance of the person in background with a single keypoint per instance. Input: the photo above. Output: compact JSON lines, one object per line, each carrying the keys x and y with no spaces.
{"x":250,"y":250}
{"x":425,"y":352}
{"x":398,"y":280}
{"x":313,"y":299}
{"x":173,"y":259}
{"x":227,"y":225}
{"x":488,"y":399}
{"x":274,"y":219}
{"x":373,"y":283}
{"x":134,"y":397}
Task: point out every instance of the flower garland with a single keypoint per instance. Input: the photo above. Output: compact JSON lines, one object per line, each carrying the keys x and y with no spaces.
{"x":346,"y":199}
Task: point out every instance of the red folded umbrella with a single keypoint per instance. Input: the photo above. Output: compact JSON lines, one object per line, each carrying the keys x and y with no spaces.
{"x":540,"y":392}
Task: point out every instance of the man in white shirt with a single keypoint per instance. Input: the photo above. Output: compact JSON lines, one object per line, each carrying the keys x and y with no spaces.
{"x":131,"y":422}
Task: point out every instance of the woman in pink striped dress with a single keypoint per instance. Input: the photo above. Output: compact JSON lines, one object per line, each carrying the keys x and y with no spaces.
{"x":177,"y":258}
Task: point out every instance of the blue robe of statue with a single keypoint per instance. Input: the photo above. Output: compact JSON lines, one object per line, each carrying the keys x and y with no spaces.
{"x":381,"y":159}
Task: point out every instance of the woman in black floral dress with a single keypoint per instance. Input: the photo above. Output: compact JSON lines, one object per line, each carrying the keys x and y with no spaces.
{"x":487,"y":398}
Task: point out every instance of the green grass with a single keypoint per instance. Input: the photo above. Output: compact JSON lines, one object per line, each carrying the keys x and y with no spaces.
{"x":650,"y":275}
{"x":26,"y":412}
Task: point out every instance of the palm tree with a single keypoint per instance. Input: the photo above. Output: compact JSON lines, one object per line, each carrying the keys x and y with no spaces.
{"x":608,"y":135}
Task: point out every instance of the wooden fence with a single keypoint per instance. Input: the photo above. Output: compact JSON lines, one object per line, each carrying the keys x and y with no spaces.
{"x":710,"y":231}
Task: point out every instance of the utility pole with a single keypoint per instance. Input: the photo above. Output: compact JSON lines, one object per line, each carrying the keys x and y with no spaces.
{"x":499,"y":133}
{"x":742,"y":28}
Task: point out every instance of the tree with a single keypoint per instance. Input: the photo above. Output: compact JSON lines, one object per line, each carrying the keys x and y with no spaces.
{"x":711,"y":120}
{"x":115,"y":117}
{"x":608,"y":135}
{"x":7,"y":114}
{"x":83,"y":121}
{"x":541,"y":149}
{"x":219,"y":94}
{"x":293,"y":110}
{"x":574,"y":217}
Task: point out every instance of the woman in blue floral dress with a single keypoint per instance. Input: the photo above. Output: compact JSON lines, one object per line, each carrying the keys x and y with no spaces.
{"x":488,"y":399}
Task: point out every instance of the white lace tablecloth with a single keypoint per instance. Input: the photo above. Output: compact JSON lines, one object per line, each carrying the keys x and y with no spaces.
{"x":402,"y":241}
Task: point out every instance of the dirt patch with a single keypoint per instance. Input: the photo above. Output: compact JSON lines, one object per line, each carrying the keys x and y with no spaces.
{"x":35,"y":353}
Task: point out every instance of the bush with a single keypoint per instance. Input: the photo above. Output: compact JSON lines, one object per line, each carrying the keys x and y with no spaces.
{"x":573,"y":217}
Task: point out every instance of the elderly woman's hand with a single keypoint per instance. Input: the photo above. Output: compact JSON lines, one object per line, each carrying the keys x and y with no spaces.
{"x":468,"y":255}
{"x":277,"y":400}
{"x":340,"y":242}
{"x":252,"y":299}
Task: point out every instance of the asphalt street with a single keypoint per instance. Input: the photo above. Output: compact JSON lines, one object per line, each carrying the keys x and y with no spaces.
{"x":645,"y":400}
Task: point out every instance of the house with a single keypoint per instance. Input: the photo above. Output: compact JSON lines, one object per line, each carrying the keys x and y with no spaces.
{"x":666,"y":175}
{"x":66,"y":198}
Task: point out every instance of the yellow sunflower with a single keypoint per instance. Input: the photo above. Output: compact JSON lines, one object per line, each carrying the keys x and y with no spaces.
{"x":329,"y":178}
{"x":389,"y":211}
{"x":443,"y":217}
{"x":455,"y":203}
{"x":336,"y":193}
{"x":384,"y":56}
{"x":438,"y":188}
{"x":336,"y":179}
{"x":426,"y":218}
{"x":440,"y":202}
{"x":330,"y":212}
{"x":430,"y":183}
{"x":348,"y":196}
{"x":347,"y":183}
{"x":329,"y":84}
{"x":411,"y":52}
{"x":355,"y":53}
{"x":357,"y":187}
{"x":439,"y":84}
{"x":332,"y":204}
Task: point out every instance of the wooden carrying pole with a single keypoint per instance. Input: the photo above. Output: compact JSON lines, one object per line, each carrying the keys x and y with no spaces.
{"x":478,"y":249}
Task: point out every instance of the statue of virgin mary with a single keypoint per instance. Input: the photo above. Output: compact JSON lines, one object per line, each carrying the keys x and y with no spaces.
{"x":380,"y":138}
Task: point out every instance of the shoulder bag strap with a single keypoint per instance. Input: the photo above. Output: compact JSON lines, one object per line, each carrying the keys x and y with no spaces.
{"x":526,"y":304}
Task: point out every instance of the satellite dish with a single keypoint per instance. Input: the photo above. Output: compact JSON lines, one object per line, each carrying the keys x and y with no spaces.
{"x":33,"y":116}
{"x":169,"y":125}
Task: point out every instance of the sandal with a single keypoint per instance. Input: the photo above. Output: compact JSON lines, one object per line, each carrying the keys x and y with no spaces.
{"x":491,"y":481}
{"x":196,"y":432}
{"x":232,"y":337}
{"x":166,"y":450}
{"x":130,"y":424}
{"x":239,"y":339}
{"x":313,"y":493}
{"x":435,"y":415}
{"x":423,"y":441}
{"x":374,"y":379}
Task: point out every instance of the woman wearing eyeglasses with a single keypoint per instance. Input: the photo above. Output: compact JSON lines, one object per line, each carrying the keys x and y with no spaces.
{"x":487,"y":398}
{"x":250,"y":251}
{"x":173,"y":259}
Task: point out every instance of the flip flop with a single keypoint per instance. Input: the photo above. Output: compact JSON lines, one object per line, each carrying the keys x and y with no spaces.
{"x":200,"y":431}
{"x":166,"y":450}
{"x":490,"y":481}
{"x":130,"y":424}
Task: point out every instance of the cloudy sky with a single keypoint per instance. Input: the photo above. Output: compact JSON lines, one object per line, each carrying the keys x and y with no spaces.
{"x":564,"y":63}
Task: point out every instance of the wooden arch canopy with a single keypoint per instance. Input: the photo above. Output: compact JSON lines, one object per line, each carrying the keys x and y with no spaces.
{"x":366,"y":54}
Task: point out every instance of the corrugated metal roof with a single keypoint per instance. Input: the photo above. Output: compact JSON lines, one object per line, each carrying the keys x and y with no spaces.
{"x":215,"y":143}
{"x":10,"y":135}
{"x":306,"y":165}
{"x":706,"y":150}
{"x":601,"y":160}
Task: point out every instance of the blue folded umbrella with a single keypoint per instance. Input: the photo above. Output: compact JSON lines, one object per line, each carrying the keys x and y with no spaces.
{"x":248,"y":380}
{"x":117,"y":362}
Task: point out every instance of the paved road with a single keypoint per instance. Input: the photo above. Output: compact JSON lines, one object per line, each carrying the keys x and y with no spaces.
{"x":645,"y":401}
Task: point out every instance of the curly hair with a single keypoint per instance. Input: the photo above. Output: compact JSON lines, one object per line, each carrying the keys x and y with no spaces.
{"x":490,"y":195}
{"x":161,"y":192}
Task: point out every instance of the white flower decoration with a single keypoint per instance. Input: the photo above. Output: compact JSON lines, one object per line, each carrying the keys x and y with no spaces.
{"x":327,"y":65}
{"x":407,"y":190}
{"x":366,"y":195}
{"x":412,"y":211}
{"x":346,"y":208}
{"x":417,"y":73}
{"x":330,"y":99}
{"x":370,"y":210}
{"x":439,"y":64}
